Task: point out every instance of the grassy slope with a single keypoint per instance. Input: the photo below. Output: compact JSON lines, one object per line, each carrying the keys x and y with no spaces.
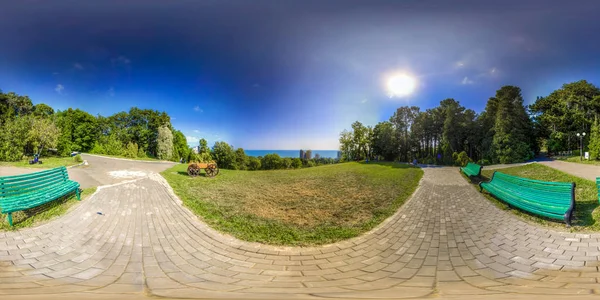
{"x":297,"y":207}
{"x":48,"y":163}
{"x":587,"y":213}
{"x":43,"y":213}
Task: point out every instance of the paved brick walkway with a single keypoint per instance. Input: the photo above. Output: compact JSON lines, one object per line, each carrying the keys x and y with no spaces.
{"x":446,"y":241}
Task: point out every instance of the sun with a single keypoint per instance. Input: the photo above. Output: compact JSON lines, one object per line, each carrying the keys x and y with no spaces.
{"x":400,"y":85}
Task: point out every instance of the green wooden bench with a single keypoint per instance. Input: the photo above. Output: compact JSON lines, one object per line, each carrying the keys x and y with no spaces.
{"x":555,"y":200}
{"x":472,"y":169}
{"x":21,"y":192}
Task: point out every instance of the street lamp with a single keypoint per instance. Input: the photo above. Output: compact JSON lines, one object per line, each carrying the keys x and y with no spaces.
{"x":580,"y":136}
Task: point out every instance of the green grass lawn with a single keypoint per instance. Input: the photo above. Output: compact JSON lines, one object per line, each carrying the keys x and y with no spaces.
{"x":587,"y":213}
{"x":48,"y":162}
{"x":300,"y":207}
{"x":40,"y":214}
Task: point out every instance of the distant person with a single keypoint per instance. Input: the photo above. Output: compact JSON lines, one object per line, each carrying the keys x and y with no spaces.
{"x":414,"y":162}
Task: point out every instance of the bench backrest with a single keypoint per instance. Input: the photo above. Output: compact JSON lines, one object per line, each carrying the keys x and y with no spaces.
{"x":11,"y":186}
{"x":556,"y":192}
{"x":473,"y":166}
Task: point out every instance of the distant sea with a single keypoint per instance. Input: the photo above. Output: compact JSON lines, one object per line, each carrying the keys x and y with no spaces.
{"x":291,"y":153}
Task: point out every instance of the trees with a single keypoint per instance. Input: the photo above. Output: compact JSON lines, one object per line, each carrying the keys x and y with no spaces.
{"x":224,"y":155}
{"x":502,"y":132}
{"x":164,"y":143}
{"x":180,"y":146}
{"x":384,"y":141}
{"x":13,"y":138}
{"x":241,"y":159}
{"x":594,"y":145}
{"x":511,"y":142}
{"x":566,"y":111}
{"x":42,"y":110}
{"x":42,"y":134}
{"x":254,"y":163}
{"x":271,"y":162}
{"x":204,"y":154}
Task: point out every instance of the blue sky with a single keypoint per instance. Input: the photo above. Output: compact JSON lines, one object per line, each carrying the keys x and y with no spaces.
{"x":288,"y":74}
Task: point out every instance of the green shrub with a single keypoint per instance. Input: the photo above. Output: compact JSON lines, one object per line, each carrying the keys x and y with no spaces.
{"x":483,"y":162}
{"x":287,"y":163}
{"x":78,"y":158}
{"x":141,"y":153}
{"x":576,"y":152}
{"x":131,"y":151}
{"x":455,"y":158}
{"x":296,"y":163}
{"x":253,"y":163}
{"x":462,"y":159}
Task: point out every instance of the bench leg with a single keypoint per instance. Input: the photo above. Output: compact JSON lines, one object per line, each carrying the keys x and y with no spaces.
{"x":9,"y":217}
{"x":78,"y":193}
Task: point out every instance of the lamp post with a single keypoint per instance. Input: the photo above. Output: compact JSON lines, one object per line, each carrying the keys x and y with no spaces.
{"x":580,"y":136}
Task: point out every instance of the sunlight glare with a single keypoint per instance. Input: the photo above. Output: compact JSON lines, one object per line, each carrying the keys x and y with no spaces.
{"x":400,"y":85}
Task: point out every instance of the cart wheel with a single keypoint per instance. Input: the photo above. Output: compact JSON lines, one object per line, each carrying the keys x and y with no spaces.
{"x":211,"y":170}
{"x":193,"y":170}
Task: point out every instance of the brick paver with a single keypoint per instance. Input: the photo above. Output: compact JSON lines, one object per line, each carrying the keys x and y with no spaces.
{"x":446,"y":240}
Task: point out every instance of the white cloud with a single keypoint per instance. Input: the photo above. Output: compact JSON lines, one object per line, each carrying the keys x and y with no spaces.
{"x":364,"y":101}
{"x":466,"y":80}
{"x":198,"y":109}
{"x":192,"y":139}
{"x":196,"y":131}
{"x":121,"y":61}
{"x":111,"y":91}
{"x":78,"y":66}
{"x":59,"y":88}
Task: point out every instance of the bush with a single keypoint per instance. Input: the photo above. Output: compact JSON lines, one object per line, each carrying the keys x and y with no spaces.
{"x":131,"y":151}
{"x":483,"y":162}
{"x":296,"y":163}
{"x":253,"y":163}
{"x":78,"y":158}
{"x":141,"y":153}
{"x":97,"y":149}
{"x":462,"y":159}
{"x":287,"y":163}
{"x":576,"y":152}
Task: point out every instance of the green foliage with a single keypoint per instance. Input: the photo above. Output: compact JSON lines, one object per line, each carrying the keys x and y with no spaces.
{"x":271,"y":162}
{"x":224,"y":155}
{"x":110,"y":145}
{"x":164,"y":148}
{"x":241,"y":159}
{"x":254,"y":163}
{"x":180,"y":146}
{"x":296,"y":163}
{"x":131,"y":151}
{"x":13,"y":138}
{"x":462,"y":159}
{"x":42,"y":110}
{"x":565,"y":112}
{"x":384,"y":141}
{"x":78,"y":158}
{"x":594,"y":145}
{"x":286,"y":163}
{"x":141,"y":153}
{"x":43,"y":134}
